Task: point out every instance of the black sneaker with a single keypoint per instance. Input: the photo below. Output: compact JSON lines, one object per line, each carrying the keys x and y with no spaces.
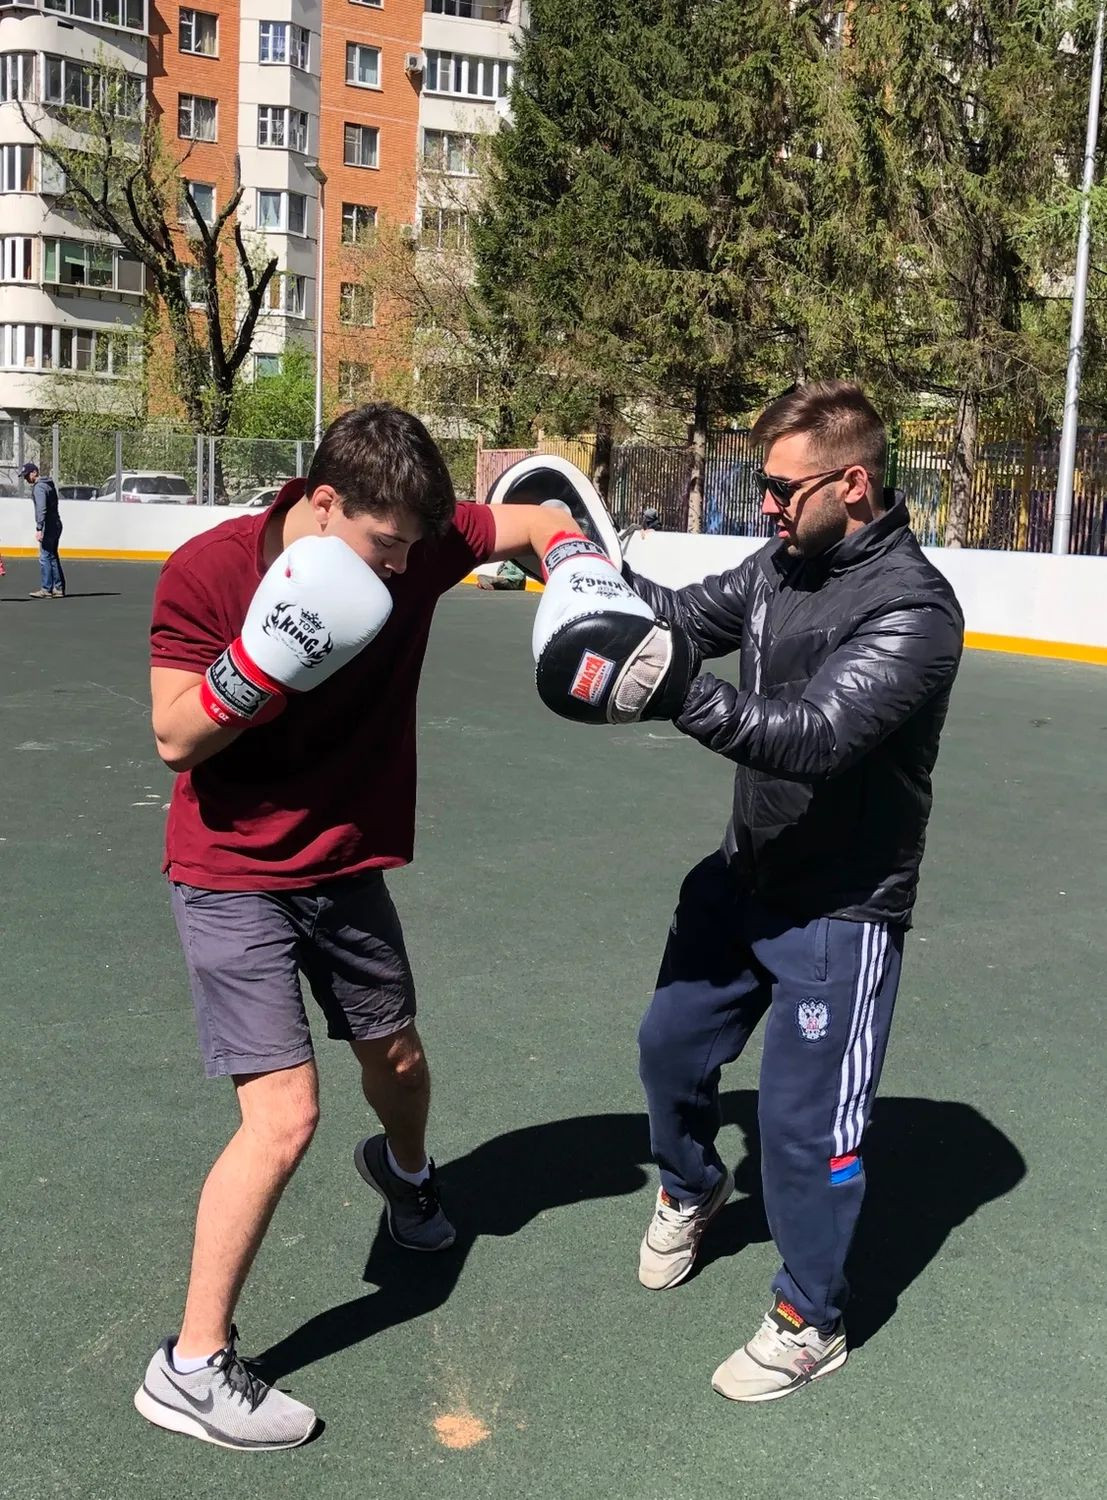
{"x":223,"y":1403}
{"x":414,"y":1214}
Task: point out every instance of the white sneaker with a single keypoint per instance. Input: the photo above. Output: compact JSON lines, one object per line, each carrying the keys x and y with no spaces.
{"x":671,"y":1242}
{"x":784,"y":1354}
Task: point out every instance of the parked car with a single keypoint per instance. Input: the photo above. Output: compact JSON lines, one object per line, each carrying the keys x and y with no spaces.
{"x":77,"y":491}
{"x":149,"y":487}
{"x":261,"y":499}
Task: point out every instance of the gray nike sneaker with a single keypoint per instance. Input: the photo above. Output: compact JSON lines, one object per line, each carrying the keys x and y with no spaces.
{"x":414,"y":1214}
{"x":224,"y":1403}
{"x":672,"y":1239}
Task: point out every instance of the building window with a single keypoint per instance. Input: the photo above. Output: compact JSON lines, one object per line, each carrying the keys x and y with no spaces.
{"x":266,"y":365}
{"x":198,"y":32}
{"x":287,"y":294}
{"x":196,"y":118}
{"x":449,"y":152}
{"x":360,"y":146}
{"x":363,"y":66}
{"x":282,"y":127}
{"x":17,"y":258}
{"x":67,"y":82}
{"x":355,"y":304}
{"x":203,"y":195}
{"x":76,"y":85}
{"x":470,"y":10}
{"x":280,"y":42}
{"x":374,"y":4}
{"x":39,"y":346}
{"x":17,"y":169}
{"x":271,"y":125}
{"x":17,"y":76}
{"x":444,"y":229}
{"x":355,"y":381}
{"x":358,"y":222}
{"x":86,"y":264}
{"x":130,"y":14}
{"x":283,"y":212}
{"x":51,"y":176}
{"x":473,"y":77}
{"x":194,"y":283}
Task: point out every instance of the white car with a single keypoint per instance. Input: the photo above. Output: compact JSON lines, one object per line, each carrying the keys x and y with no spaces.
{"x":148,"y":487}
{"x":260,"y":499}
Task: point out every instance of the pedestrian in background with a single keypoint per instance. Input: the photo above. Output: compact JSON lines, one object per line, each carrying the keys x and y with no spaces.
{"x":48,"y":530}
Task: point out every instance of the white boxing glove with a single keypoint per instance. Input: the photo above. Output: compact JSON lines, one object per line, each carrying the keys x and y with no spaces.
{"x":601,"y":654}
{"x":315,"y":609}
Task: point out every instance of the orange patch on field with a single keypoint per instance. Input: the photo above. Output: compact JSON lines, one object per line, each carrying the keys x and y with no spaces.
{"x":460,"y":1429}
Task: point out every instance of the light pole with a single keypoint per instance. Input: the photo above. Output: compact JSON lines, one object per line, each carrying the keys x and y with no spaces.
{"x":1066,"y":465}
{"x":316,"y":171}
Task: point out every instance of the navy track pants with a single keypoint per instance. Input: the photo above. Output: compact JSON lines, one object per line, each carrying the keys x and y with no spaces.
{"x":828,"y":987}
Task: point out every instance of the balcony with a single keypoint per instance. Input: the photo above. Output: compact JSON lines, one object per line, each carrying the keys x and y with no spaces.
{"x":124,"y":15}
{"x":469,"y":10}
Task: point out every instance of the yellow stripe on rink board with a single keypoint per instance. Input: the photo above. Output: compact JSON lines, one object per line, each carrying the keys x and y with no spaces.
{"x":90,"y":554}
{"x":1023,"y":645}
{"x":979,"y":640}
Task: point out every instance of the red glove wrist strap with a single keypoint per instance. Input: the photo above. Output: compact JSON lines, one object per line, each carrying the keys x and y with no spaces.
{"x":236,"y":693}
{"x":567,"y":544}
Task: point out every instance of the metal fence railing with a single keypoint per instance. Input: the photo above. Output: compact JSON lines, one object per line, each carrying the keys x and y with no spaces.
{"x":155,"y":465}
{"x":1013,"y":490}
{"x":1010,"y":506}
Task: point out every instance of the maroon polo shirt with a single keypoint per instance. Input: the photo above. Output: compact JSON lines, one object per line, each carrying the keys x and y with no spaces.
{"x":328,"y":788}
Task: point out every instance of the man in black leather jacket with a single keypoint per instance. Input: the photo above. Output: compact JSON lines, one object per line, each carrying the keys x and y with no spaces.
{"x":849,"y":642}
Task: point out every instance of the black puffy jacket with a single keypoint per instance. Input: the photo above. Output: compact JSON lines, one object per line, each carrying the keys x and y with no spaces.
{"x":847,"y":661}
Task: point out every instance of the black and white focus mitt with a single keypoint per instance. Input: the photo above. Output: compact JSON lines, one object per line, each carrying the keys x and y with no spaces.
{"x":547,"y":480}
{"x":601,"y":654}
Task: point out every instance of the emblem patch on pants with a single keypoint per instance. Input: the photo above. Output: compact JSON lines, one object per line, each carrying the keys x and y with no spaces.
{"x":813,"y":1019}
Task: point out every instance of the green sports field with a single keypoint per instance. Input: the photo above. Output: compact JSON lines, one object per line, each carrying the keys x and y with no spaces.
{"x":528,"y":1361}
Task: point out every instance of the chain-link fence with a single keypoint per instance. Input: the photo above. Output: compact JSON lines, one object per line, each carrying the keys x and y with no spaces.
{"x":151,"y":466}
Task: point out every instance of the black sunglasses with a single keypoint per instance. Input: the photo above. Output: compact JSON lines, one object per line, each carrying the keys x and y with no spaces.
{"x":784,"y":489}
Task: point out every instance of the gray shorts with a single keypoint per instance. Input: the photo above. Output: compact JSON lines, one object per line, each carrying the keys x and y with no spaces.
{"x":246,"y":950}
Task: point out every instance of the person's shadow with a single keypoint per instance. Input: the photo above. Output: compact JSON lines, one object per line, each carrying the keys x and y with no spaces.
{"x":930,"y":1165}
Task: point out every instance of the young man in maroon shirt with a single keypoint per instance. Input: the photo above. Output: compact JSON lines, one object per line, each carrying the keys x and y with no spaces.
{"x":286,"y":652}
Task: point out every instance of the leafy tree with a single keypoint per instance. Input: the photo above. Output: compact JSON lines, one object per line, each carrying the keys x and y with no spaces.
{"x":280,"y":405}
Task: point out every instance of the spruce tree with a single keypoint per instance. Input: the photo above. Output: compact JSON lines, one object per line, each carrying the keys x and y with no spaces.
{"x":970,"y":109}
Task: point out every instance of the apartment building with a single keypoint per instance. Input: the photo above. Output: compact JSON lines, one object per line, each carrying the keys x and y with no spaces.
{"x":68,"y":300}
{"x":330,"y":113}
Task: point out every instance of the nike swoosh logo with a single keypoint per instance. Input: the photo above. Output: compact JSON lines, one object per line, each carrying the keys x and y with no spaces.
{"x":201,"y":1406}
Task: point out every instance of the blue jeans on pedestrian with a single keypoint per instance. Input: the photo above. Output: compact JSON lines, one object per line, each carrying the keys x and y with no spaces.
{"x":828,"y":988}
{"x":49,"y":563}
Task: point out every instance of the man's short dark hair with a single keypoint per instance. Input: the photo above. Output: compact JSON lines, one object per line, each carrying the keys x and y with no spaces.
{"x":381,"y":460}
{"x":842,"y":423}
